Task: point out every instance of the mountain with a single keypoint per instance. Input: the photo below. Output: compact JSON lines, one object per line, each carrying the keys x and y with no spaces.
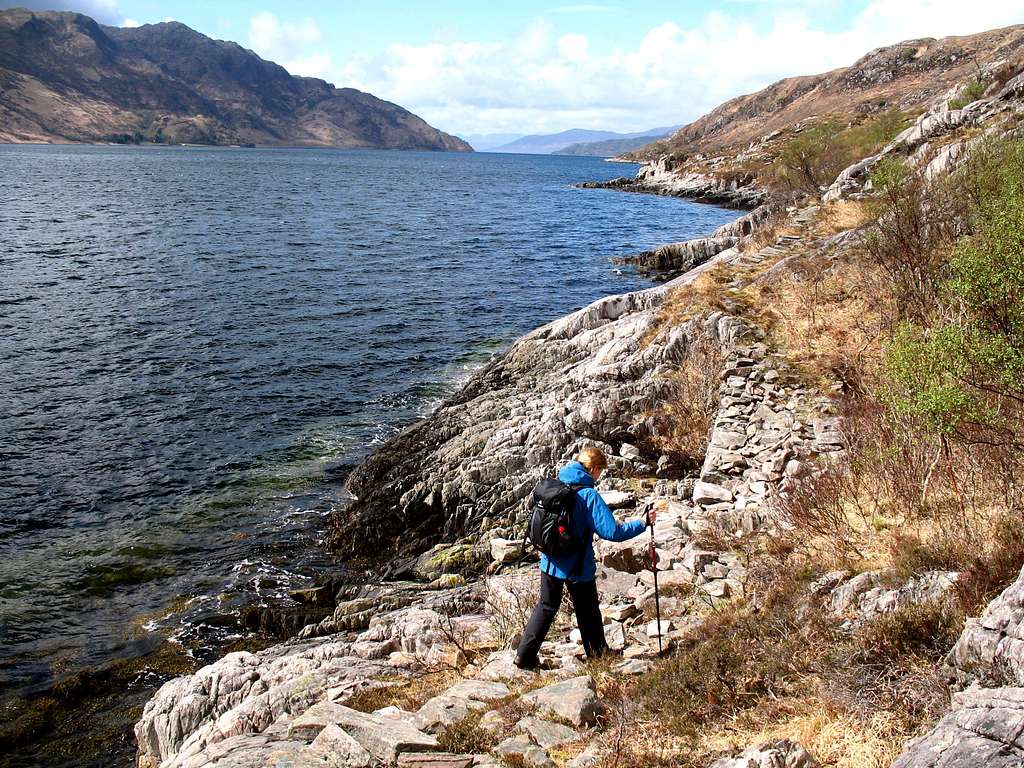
{"x":485,"y":142}
{"x":905,"y":76}
{"x":548,"y":143}
{"x":613,"y":147}
{"x":65,"y":78}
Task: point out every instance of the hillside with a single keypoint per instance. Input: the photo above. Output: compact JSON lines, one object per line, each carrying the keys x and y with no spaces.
{"x":554,"y":143}
{"x":65,"y":78}
{"x":613,"y":147}
{"x":905,"y":76}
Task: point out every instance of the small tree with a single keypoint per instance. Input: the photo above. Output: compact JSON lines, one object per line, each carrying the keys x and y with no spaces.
{"x":964,"y":374}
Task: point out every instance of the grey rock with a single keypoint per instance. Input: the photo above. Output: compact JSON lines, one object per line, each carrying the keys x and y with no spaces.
{"x":632,"y":667}
{"x":574,"y":699}
{"x":652,"y":628}
{"x":444,"y":711}
{"x":984,"y":729}
{"x":384,"y":738}
{"x":530,"y":753}
{"x":710,"y":493}
{"x":618,"y":499}
{"x":991,"y":647}
{"x":333,"y":748}
{"x":621,"y":612}
{"x":244,"y":693}
{"x":506,"y":551}
{"x":779,"y":754}
{"x":545,"y":733}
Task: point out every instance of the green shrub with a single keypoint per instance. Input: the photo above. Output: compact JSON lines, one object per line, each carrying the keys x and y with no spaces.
{"x":974,"y":91}
{"x":814,"y":157}
{"x":964,"y":370}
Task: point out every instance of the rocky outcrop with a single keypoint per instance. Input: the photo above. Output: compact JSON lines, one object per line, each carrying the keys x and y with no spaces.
{"x":666,"y":176}
{"x":667,"y":261}
{"x":927,"y":142}
{"x":986,"y":724}
{"x":984,"y":728}
{"x":590,"y":377}
{"x":991,"y":647}
{"x":63,"y":77}
{"x":244,"y":693}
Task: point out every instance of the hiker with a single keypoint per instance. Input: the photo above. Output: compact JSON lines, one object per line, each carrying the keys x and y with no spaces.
{"x":590,"y":515}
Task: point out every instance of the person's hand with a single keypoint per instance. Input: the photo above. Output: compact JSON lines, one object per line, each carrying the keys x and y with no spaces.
{"x":652,"y":513}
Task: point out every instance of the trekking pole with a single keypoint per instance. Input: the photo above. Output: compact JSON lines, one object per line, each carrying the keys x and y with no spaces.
{"x":654,"y":568}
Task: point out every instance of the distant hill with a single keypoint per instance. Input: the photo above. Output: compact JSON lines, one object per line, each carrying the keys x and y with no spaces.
{"x":580,"y":139}
{"x":484,"y":142}
{"x":613,"y":147}
{"x":65,"y":78}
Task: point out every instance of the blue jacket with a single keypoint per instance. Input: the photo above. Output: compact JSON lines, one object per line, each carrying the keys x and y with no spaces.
{"x":591,"y":516}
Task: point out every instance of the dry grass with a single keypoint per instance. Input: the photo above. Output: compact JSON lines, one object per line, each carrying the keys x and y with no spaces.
{"x":840,"y":216}
{"x":836,"y":737}
{"x":408,"y":694}
{"x":824,"y":316}
{"x":683,"y":422}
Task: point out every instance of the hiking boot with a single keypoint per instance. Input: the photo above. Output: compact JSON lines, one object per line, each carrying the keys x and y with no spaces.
{"x":528,"y":665}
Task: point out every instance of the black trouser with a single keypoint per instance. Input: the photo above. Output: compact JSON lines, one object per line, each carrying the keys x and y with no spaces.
{"x":588,"y":616}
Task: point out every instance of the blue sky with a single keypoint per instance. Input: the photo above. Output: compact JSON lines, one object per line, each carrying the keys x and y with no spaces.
{"x":535,"y":66}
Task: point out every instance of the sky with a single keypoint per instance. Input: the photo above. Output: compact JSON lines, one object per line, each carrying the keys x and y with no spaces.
{"x":471,"y":67}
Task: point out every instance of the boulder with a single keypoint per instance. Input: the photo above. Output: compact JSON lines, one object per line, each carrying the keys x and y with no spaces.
{"x":334,"y":748}
{"x":525,"y":750}
{"x":505,"y":551}
{"x":574,"y":699}
{"x":983,"y":730}
{"x":629,"y":556}
{"x":779,"y":754}
{"x":444,"y":711}
{"x":384,"y":738}
{"x":710,"y":493}
{"x":991,"y":648}
{"x":545,"y":733}
{"x":618,"y":499}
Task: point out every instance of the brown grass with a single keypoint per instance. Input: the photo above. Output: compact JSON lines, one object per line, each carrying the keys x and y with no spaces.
{"x":683,"y":422}
{"x":408,"y":694}
{"x":824,"y":316}
{"x":840,"y":216}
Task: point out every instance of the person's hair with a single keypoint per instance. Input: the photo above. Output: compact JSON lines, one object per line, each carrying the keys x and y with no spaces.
{"x":593,"y":459}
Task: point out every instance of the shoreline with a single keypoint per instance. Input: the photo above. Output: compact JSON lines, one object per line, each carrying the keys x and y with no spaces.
{"x":178,"y":657}
{"x":438,"y":571}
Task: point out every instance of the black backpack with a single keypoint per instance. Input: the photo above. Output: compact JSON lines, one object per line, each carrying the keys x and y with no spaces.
{"x":551,"y":528}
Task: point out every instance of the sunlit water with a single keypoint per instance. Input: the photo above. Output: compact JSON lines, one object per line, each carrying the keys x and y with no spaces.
{"x":196,"y":344}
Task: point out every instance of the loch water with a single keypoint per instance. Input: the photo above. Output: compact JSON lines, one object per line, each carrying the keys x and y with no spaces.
{"x":197,"y":344}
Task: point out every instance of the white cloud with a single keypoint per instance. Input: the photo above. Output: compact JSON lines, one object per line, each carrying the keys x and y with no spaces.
{"x":314,"y":65}
{"x":130,"y":23}
{"x":537,"y":82}
{"x":289,"y":44}
{"x":103,"y":11}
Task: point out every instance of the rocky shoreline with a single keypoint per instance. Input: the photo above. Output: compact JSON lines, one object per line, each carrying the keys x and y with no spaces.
{"x":667,"y":176}
{"x":443,"y":504}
